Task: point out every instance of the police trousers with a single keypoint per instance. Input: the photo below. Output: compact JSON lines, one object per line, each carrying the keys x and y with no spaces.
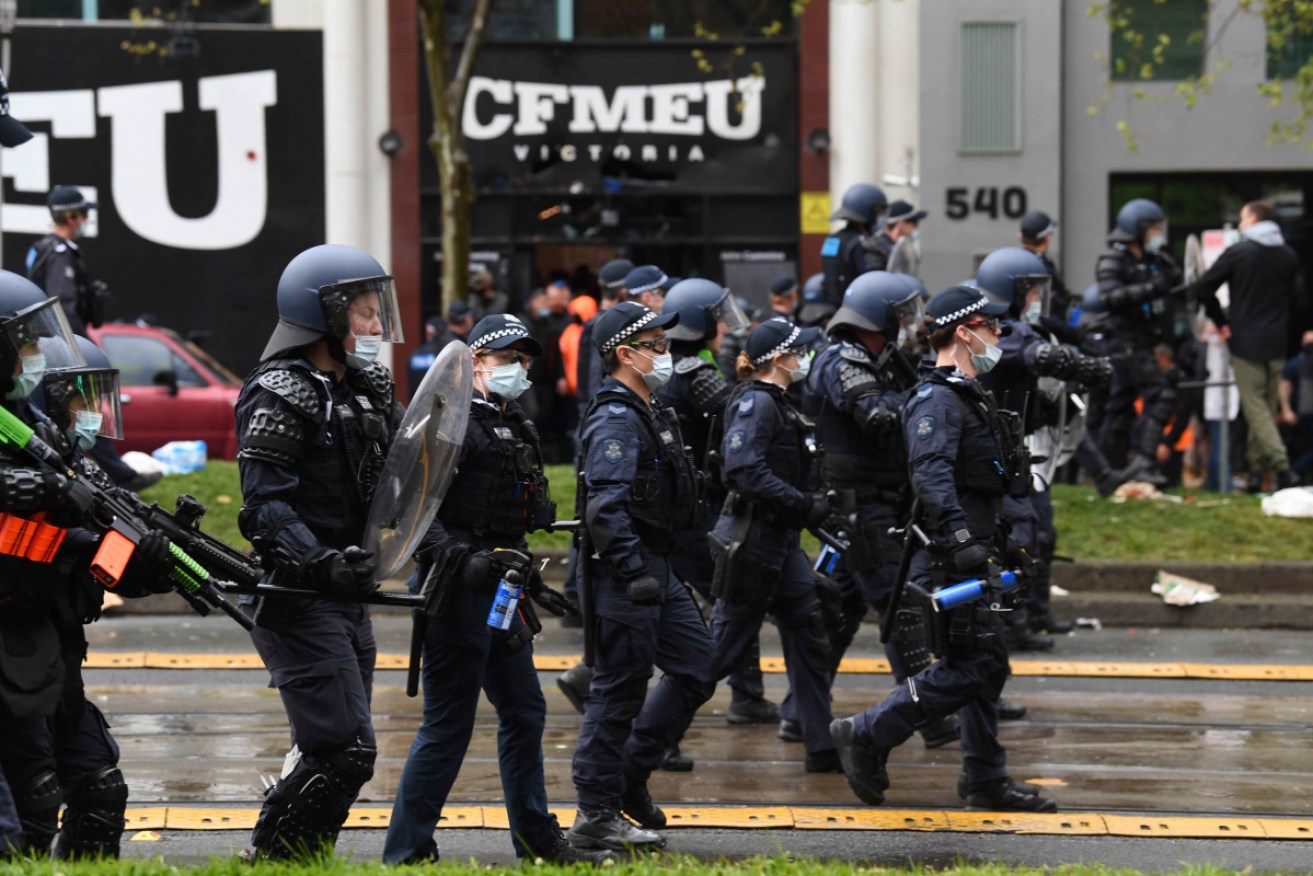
{"x":797,"y":613}
{"x":463,"y":657}
{"x":627,"y":729}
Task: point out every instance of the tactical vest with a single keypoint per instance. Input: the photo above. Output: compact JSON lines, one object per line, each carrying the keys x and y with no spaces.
{"x":349,"y":432}
{"x":667,"y":492}
{"x":837,"y":262}
{"x":793,"y":448}
{"x":853,"y":459}
{"x":500,"y":488}
{"x":991,"y":456}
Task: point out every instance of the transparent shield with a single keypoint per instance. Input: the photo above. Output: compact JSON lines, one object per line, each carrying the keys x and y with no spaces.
{"x":43,"y":328}
{"x":1024,"y":284}
{"x":1053,"y":446}
{"x":728,"y":313}
{"x":95,"y":390}
{"x":363,"y":307}
{"x":421,"y":461}
{"x":908,"y":318}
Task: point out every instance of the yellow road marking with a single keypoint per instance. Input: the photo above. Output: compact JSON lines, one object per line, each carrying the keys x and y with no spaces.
{"x":799,"y":818}
{"x":854,"y":666}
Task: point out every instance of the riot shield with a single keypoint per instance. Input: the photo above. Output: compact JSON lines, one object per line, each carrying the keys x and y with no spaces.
{"x":1051,"y":447}
{"x":421,"y":461}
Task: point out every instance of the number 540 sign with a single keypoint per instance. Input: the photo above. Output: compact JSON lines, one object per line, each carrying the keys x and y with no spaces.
{"x":960,"y":202}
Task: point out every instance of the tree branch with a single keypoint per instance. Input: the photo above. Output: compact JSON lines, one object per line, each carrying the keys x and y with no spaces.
{"x":469,"y":52}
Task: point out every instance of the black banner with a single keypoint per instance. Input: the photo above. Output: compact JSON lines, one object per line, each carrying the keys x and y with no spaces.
{"x":208,"y":166}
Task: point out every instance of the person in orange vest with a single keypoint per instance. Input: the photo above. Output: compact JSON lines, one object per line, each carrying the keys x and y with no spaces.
{"x":582,"y":309}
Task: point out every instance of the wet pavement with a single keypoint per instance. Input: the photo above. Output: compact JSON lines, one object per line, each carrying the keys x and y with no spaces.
{"x":1128,"y":745}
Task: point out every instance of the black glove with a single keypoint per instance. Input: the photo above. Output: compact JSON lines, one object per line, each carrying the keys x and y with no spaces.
{"x":476,"y":568}
{"x":1163,"y":282}
{"x":1093,"y":371}
{"x":970,"y":557}
{"x":347,"y":574}
{"x":551,"y":601}
{"x":645,"y":590}
{"x":818,"y":510}
{"x":151,"y":562}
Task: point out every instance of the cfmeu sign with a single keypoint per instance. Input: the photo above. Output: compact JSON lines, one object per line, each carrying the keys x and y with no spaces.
{"x":137,"y":117}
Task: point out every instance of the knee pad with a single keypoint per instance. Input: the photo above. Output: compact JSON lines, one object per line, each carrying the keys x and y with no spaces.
{"x":93,"y":822}
{"x":38,"y":812}
{"x":305,"y":810}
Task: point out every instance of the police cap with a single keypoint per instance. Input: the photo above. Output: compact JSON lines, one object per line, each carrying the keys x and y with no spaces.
{"x":625,"y":320}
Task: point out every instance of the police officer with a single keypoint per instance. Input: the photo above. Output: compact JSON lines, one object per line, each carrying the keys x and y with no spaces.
{"x":1037,"y":233}
{"x":1136,"y":278}
{"x":55,"y":261}
{"x":898,"y":238}
{"x":697,"y":393}
{"x":499,"y":493}
{"x":647,"y":284}
{"x":856,"y":394}
{"x":1019,"y":279}
{"x":963,"y":459}
{"x":815,"y":309}
{"x":760,"y":567}
{"x":638,"y":486}
{"x":314,"y":422}
{"x":438,"y":333}
{"x":852,"y":250}
{"x":589,"y":377}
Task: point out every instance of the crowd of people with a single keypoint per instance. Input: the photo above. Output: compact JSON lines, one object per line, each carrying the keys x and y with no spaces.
{"x":915,"y":435}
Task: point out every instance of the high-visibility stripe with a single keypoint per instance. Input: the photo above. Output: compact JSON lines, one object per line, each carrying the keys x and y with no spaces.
{"x":798,"y":818}
{"x":850,"y":666}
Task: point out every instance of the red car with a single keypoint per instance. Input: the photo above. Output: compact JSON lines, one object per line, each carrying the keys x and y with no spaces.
{"x":172,"y":389}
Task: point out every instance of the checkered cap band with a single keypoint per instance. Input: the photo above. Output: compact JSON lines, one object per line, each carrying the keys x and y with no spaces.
{"x":514,"y":332}
{"x":784,"y":346}
{"x":944,"y":320}
{"x":632,"y":329}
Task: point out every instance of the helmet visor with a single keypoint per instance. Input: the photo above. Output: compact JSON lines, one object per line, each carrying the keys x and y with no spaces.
{"x":363,"y":307}
{"x":43,"y":328}
{"x":1026,"y":285}
{"x":728,"y":313}
{"x":95,"y":391}
{"x":908,"y":318}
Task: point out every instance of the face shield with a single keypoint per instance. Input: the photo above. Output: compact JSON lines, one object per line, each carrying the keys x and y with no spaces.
{"x":364,"y":308}
{"x":42,"y":329}
{"x":908,"y":316}
{"x":1034,"y":292}
{"x":1154,"y":235}
{"x":73,"y":395}
{"x":728,"y":313}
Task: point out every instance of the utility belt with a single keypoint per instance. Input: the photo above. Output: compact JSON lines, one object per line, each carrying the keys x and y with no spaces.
{"x":32,"y":540}
{"x":737,"y":576}
{"x":960,"y":630}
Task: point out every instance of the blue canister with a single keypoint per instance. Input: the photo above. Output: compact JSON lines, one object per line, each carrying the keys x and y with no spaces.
{"x":970,"y":591}
{"x":827,"y":560}
{"x":505,"y":603}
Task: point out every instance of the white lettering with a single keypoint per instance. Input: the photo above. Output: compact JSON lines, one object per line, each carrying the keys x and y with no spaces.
{"x":595,"y":151}
{"x":521,"y":152}
{"x":670,"y":109}
{"x":138,"y":166}
{"x":695,"y":153}
{"x":625,"y":112}
{"x":536,"y":106}
{"x":569,"y":153}
{"x":71,"y":114}
{"x":747,"y":92}
{"x":649,"y":152}
{"x":621,"y":152}
{"x":500,"y":90}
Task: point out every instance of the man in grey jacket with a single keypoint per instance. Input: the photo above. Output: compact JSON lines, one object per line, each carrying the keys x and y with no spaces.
{"x":1263,"y":276}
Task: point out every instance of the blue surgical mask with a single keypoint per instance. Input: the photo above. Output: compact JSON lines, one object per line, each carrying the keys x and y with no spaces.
{"x":367,"y":349}
{"x":799,"y":374}
{"x":1033,"y":313}
{"x":34,"y":367}
{"x":1155,"y":242}
{"x":86,"y":428}
{"x":663,"y":368}
{"x":508,"y":381}
{"x":985,"y":362}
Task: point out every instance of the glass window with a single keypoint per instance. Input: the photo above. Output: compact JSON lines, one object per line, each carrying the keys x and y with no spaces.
{"x":1285,"y":62}
{"x":673,"y":19}
{"x":141,"y":361}
{"x":510,"y":19}
{"x":1157,"y":40}
{"x":50,"y":9}
{"x":991,"y":87}
{"x":206,"y":12}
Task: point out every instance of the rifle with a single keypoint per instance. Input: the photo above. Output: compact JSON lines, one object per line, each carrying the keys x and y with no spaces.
{"x":121,"y":528}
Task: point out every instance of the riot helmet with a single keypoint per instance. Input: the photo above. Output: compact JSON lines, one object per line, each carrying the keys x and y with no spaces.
{"x":31,"y":325}
{"x":861,"y":203}
{"x":701,"y":304}
{"x":879,"y":301}
{"x":1010,"y":275}
{"x":333,"y":292}
{"x":83,"y":397}
{"x":1137,"y":216}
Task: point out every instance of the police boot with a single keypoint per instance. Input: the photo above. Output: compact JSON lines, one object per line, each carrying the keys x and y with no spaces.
{"x":1006,"y":795}
{"x":574,"y":683}
{"x":863,"y":763}
{"x":826,"y":761}
{"x":939,"y":733}
{"x":562,"y":851}
{"x":1023,"y":787}
{"x":1144,"y":468}
{"x":93,"y":822}
{"x":1010,"y":711}
{"x":38,"y":813}
{"x":790,"y":730}
{"x":676,"y":762}
{"x":606,"y":829}
{"x":637,"y":803}
{"x":745,"y":709}
{"x":1020,"y":637}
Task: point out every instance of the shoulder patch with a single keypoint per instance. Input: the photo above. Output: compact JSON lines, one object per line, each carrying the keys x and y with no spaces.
{"x":616,"y":409}
{"x":295,"y":388}
{"x":745,"y":406}
{"x":689,"y":364}
{"x":925,"y":427}
{"x":830,"y":247}
{"x":736,"y":439}
{"x":924,"y":391}
{"x":613,"y":450}
{"x":854,"y":352}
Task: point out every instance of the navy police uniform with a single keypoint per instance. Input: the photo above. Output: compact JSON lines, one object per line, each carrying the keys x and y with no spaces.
{"x":847,"y":254}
